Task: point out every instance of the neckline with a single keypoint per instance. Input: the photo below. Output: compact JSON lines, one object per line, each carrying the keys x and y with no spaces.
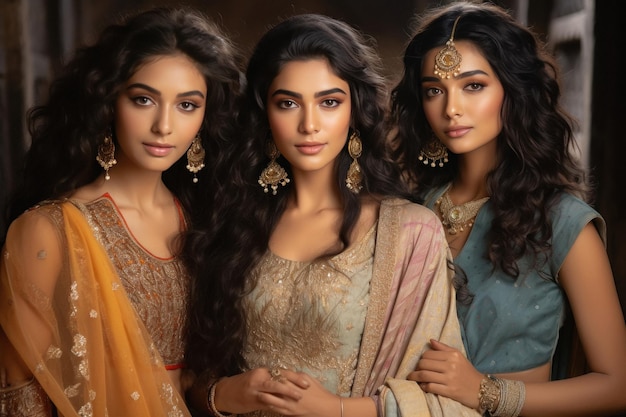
{"x":457,"y":217}
{"x":346,"y":252}
{"x":476,"y":219}
{"x":108,"y":198}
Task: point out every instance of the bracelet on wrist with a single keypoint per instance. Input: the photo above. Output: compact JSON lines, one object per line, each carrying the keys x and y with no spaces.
{"x":499,"y":397}
{"x":341,"y":405}
{"x":211,"y":400}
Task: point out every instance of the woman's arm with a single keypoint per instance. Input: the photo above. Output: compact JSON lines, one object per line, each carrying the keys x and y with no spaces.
{"x":247,"y":392}
{"x":588,"y":282}
{"x":30,"y":266}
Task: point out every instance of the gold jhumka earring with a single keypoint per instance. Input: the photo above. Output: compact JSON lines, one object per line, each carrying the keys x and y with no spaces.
{"x":273,"y":174}
{"x":354,"y":178}
{"x":448,"y":60}
{"x":106,"y":154}
{"x":434,"y":153}
{"x":195,"y":157}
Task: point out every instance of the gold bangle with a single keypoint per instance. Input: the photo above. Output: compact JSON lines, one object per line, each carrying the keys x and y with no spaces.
{"x":489,"y":394}
{"x":211,"y":400}
{"x":341,"y":405}
{"x":512,"y":397}
{"x":501,"y":397}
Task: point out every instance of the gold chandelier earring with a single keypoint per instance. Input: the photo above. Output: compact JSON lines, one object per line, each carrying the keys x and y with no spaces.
{"x":354,"y":178}
{"x":273,"y":174}
{"x":434,"y":153}
{"x":106,"y":154}
{"x":195,"y":157}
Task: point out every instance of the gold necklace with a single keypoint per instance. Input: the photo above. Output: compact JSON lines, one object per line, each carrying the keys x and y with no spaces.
{"x":457,"y":218}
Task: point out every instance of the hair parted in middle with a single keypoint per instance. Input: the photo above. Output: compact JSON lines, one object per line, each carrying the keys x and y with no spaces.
{"x":236,"y":247}
{"x":534,"y":158}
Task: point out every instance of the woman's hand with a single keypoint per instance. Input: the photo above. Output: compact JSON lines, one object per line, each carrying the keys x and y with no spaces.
{"x":314,"y":401}
{"x":258,"y":390}
{"x":445,"y":371}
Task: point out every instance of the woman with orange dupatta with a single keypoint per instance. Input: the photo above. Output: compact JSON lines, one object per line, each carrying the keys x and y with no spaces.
{"x":93,"y":287}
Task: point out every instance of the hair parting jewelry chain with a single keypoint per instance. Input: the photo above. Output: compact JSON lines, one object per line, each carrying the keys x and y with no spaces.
{"x":448,"y":59}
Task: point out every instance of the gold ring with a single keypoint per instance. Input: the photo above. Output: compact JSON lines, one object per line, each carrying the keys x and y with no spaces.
{"x":276,"y":375}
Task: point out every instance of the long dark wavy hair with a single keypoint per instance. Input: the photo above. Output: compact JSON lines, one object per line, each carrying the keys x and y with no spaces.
{"x":234,"y":246}
{"x":68,"y":128}
{"x":534,"y":160}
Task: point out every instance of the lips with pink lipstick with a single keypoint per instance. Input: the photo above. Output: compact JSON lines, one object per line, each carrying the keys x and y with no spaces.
{"x":458,"y":131}
{"x":158,"y":149}
{"x":310,"y":148}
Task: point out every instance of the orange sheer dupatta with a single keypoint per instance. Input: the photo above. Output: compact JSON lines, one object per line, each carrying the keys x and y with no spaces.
{"x":64,"y":310}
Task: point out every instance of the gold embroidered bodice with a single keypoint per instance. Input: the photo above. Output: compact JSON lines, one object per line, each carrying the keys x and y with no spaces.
{"x":157,"y":288}
{"x":309,"y":316}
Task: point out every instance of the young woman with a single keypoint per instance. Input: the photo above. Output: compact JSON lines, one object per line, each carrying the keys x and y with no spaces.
{"x":325,"y":283}
{"x":93,"y":291}
{"x":484,"y":137}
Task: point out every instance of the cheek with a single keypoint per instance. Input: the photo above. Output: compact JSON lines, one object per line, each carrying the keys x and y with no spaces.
{"x":278,"y":124}
{"x":431,"y":110}
{"x":490,"y":110}
{"x":125,"y":123}
{"x":128,"y":116}
{"x":193,"y":124}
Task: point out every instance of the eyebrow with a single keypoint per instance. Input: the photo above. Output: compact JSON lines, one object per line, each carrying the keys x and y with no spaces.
{"x":462,"y":75}
{"x":158,"y":93}
{"x":318,"y":94}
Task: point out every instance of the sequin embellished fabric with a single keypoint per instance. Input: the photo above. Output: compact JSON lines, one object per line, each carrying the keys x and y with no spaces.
{"x":157,"y":288}
{"x":359,"y":321}
{"x":65,"y":307}
{"x":310,"y":316}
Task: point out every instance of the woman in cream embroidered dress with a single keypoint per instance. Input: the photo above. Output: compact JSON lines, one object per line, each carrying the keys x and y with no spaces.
{"x":94,"y":292}
{"x":480,"y":99}
{"x":320,"y":297}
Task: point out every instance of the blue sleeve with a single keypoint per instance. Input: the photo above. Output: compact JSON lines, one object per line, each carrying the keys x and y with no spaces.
{"x":569,"y":216}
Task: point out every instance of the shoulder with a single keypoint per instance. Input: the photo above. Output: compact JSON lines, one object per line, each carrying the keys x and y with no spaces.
{"x":49,"y":211}
{"x":43,"y":216}
{"x":411,"y":217}
{"x":570,"y":215}
{"x":39,"y":229}
{"x":566,"y":201}
{"x":409,"y":210}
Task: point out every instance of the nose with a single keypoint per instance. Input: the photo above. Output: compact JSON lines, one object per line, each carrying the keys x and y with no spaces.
{"x":454,"y":105}
{"x":162,"y":121}
{"x":310,"y":120}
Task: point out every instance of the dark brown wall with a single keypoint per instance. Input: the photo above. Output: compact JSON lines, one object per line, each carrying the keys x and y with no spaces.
{"x":608,"y":141}
{"x":389,"y":21}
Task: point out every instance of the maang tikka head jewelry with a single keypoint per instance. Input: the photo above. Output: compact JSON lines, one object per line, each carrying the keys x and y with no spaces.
{"x":448,"y":59}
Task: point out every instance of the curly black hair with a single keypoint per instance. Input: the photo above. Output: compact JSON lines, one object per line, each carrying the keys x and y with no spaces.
{"x":68,"y":128}
{"x":234,"y":245}
{"x":535,"y":161}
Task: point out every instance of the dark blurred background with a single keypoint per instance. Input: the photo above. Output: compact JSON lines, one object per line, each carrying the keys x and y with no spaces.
{"x":587,"y":36}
